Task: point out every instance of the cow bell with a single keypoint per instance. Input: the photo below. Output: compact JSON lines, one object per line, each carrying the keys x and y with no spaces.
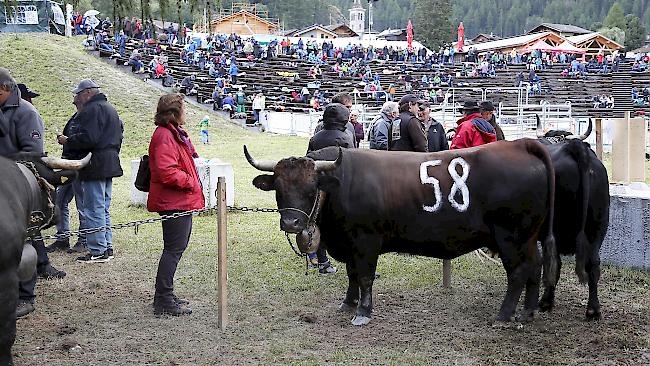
{"x":308,"y":239}
{"x":27,"y":266}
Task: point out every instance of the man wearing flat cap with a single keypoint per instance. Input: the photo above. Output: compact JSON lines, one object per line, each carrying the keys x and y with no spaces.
{"x":487,"y":112}
{"x":472,"y":129}
{"x":407,"y":133}
{"x":22,"y":131}
{"x":100,"y":131}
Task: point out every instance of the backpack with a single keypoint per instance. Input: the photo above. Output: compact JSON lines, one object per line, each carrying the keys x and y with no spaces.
{"x":143,"y":178}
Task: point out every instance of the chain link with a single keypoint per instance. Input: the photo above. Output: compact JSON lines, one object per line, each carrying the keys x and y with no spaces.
{"x":136,"y":224}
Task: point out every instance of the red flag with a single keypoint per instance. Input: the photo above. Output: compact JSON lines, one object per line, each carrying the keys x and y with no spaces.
{"x":461,"y":37}
{"x":409,"y":35}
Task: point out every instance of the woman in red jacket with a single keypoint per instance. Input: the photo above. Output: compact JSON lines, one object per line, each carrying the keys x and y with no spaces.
{"x":174,"y":187}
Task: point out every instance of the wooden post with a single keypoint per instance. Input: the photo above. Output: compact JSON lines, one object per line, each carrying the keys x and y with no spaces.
{"x":446,"y":273}
{"x":599,"y":138}
{"x":222,"y":266}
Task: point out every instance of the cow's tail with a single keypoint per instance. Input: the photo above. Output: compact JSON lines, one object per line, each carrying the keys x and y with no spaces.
{"x":550,"y":256}
{"x":580,"y":155}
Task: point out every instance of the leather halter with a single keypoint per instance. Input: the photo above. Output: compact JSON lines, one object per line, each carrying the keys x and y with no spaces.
{"x":315,"y":209}
{"x":37,"y":185}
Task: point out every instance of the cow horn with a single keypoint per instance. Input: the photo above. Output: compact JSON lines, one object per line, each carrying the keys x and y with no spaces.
{"x":66,"y":164}
{"x":587,"y":133}
{"x":265,"y":166}
{"x":540,"y":130}
{"x":323,"y":166}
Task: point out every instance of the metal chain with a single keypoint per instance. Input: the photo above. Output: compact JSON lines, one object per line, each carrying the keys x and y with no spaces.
{"x":136,"y":224}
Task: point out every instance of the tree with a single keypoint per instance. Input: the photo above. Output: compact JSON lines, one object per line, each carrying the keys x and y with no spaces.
{"x":615,"y":18}
{"x":432,"y":22}
{"x":634,"y":32}
{"x":616,"y":34}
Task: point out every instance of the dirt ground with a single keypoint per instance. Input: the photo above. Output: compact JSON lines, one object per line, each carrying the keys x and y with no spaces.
{"x":101,"y":314}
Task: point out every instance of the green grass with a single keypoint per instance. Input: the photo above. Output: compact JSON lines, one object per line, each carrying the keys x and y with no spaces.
{"x":416,"y":322}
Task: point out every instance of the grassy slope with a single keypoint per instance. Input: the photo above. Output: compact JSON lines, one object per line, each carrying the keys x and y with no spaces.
{"x":109,"y":305}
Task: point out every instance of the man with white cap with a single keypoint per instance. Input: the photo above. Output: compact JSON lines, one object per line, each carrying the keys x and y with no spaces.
{"x":100,"y":131}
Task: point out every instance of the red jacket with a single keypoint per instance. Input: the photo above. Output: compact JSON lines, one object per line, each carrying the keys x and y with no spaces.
{"x":174,"y":180}
{"x":472,"y":130}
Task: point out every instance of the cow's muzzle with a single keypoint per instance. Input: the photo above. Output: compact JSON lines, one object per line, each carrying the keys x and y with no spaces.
{"x":292,"y":224}
{"x":27,"y":266}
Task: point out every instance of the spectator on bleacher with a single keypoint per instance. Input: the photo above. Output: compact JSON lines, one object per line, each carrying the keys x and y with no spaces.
{"x":160,"y":69}
{"x":233,"y":72}
{"x":240,"y":99}
{"x":217,"y":97}
{"x":229,"y":104}
{"x":472,"y":130}
{"x":410,"y":130}
{"x":136,"y":62}
{"x":188,"y":84}
{"x":259,"y":103}
{"x":304,"y":95}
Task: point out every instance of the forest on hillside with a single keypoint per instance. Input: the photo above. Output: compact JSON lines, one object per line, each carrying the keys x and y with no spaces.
{"x":501,"y":17}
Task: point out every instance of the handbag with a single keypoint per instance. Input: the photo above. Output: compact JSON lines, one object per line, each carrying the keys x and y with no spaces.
{"x":143,"y":178}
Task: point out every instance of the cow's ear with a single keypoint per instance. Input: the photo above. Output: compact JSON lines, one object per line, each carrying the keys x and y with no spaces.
{"x":62,"y":177}
{"x":328,"y":183}
{"x":265,"y":182}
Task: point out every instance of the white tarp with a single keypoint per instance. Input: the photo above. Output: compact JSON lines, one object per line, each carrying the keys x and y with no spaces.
{"x":58,"y":14}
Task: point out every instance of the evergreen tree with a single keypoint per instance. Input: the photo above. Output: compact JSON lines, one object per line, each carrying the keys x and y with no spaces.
{"x":634,"y":32}
{"x":615,"y":17}
{"x":432,"y":22}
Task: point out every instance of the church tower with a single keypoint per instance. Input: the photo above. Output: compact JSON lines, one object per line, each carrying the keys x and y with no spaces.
{"x":358,"y":17}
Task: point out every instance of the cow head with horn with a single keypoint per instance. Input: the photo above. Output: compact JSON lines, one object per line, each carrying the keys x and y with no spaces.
{"x":555,"y":136}
{"x":298,"y":183}
{"x":39,"y":170}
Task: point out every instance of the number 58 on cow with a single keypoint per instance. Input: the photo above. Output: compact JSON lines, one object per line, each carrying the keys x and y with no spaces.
{"x":459,"y":184}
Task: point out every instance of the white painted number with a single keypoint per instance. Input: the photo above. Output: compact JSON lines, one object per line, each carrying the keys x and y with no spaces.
{"x":459,"y":184}
{"x":426,"y":179}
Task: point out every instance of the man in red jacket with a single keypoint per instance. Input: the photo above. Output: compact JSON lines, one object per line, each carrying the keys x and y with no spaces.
{"x":472,"y":129}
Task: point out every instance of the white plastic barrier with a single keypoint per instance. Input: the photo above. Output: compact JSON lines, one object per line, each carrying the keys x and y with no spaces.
{"x":209,"y":171}
{"x":287,"y":123}
{"x":628,"y":236}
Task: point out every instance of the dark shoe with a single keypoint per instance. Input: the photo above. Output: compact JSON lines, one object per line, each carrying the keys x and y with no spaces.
{"x":173,"y":310}
{"x":326,"y":268}
{"x":24,"y":307}
{"x":48,"y":272}
{"x":179,"y":301}
{"x":61,"y":244}
{"x":110,"y":253}
{"x":77,"y":248}
{"x":89,"y":258}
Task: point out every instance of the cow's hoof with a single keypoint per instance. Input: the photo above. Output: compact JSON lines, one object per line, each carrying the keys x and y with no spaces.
{"x":593,"y":314}
{"x":360,"y":320}
{"x":545,"y":306}
{"x":347,"y":308}
{"x":526,"y":316}
{"x":498,"y":324}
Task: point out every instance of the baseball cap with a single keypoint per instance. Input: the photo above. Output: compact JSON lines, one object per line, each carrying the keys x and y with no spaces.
{"x":85,"y":84}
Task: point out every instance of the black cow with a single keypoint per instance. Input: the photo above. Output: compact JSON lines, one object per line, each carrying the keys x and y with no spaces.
{"x":439,"y":205}
{"x":27,"y":196}
{"x":581,"y":211}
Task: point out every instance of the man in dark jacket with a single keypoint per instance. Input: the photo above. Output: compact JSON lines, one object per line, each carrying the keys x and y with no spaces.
{"x":22,"y":131}
{"x":100,"y":132}
{"x":334,"y":133}
{"x":487,"y":112}
{"x":408,"y":134}
{"x":436,"y":139}
{"x":335,"y":119}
